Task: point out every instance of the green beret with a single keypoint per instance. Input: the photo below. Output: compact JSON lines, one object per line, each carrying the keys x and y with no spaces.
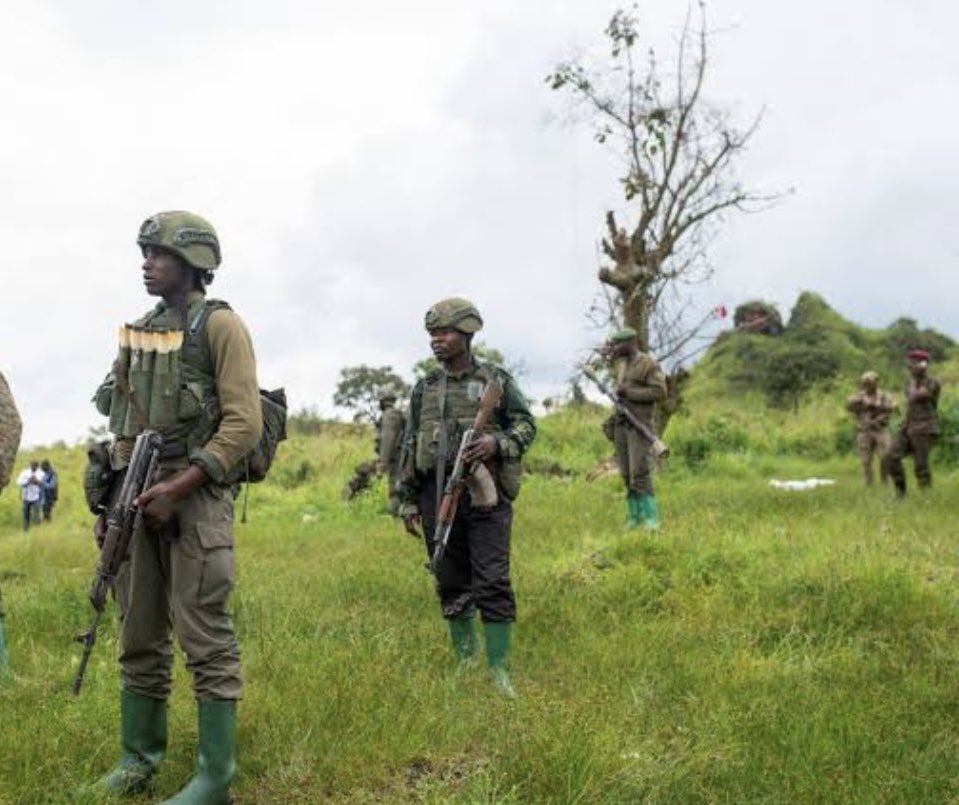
{"x":624,"y":335}
{"x":455,"y":313}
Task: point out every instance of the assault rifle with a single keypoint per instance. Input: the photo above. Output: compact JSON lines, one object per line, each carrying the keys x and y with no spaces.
{"x":656,"y":445}
{"x":123,"y":522}
{"x":476,"y":477}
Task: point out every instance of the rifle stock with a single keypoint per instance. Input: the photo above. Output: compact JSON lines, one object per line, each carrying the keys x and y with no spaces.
{"x":459,"y":477}
{"x":123,"y":522}
{"x":656,"y":445}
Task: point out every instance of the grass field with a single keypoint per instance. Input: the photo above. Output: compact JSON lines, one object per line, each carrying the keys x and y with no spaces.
{"x":764,"y":646}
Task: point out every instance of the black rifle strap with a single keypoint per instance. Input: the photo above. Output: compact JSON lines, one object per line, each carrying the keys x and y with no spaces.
{"x":442,"y":447}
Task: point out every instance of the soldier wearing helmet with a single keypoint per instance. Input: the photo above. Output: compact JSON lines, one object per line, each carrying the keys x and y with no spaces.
{"x":872,"y":409}
{"x":919,"y":429}
{"x":640,"y":386}
{"x":186,"y":369}
{"x":474,"y":573}
{"x":10,"y":427}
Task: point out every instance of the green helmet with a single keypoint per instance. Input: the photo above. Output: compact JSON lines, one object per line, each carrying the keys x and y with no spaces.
{"x":622,"y":336}
{"x":187,"y":235}
{"x":455,"y":313}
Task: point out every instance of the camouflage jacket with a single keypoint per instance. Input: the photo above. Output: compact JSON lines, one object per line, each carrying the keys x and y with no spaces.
{"x":922,"y":416}
{"x":872,"y":411}
{"x":643,"y":384}
{"x":10,"y":427}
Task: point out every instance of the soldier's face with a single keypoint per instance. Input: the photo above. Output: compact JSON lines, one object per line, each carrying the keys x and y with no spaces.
{"x":163,"y":273}
{"x":448,"y":344}
{"x":917,"y":368}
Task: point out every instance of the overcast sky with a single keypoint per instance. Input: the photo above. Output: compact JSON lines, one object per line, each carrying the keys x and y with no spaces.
{"x":362,"y":160}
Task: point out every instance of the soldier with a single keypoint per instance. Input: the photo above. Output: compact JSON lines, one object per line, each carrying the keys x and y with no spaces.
{"x":474,"y":573}
{"x":872,"y":409}
{"x":389,"y":440}
{"x":10,"y":427}
{"x":186,"y":369}
{"x":640,"y":385}
{"x":919,"y":430}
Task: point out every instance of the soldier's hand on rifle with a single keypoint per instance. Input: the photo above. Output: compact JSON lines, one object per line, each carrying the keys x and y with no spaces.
{"x":621,"y":391}
{"x":100,"y":529}
{"x":480,"y":449}
{"x":160,"y":500}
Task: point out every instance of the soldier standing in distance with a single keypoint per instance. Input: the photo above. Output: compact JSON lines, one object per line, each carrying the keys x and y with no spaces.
{"x":919,"y":431}
{"x":389,"y":440}
{"x":872,"y":409}
{"x":187,"y":370}
{"x":640,"y":384}
{"x":474,"y":573}
{"x":10,"y":427}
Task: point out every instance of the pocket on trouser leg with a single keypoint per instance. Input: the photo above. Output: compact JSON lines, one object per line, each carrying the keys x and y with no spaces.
{"x":216,"y":570}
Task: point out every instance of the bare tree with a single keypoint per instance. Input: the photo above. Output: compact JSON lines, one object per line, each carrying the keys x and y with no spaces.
{"x":679,"y":181}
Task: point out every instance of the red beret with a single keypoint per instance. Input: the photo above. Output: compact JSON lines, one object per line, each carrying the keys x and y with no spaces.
{"x":917,"y":355}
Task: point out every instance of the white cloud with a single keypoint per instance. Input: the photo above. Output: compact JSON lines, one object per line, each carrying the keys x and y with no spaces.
{"x":361,"y":161}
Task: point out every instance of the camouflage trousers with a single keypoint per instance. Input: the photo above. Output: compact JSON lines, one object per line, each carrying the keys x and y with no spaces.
{"x":178,"y":581}
{"x":920,"y":446}
{"x":632,"y":454}
{"x":874,"y":443}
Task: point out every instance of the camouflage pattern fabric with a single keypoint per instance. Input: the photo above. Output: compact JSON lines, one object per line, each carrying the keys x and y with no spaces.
{"x":872,"y":411}
{"x":10,"y":427}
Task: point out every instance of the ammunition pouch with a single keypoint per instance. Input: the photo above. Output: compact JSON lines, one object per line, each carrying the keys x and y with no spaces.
{"x":98,"y":477}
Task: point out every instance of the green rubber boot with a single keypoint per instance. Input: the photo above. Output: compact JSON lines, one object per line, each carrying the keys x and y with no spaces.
{"x":4,"y":654}
{"x":498,"y":634}
{"x":215,"y":765}
{"x":635,"y":510}
{"x":143,"y":736}
{"x":650,"y":512}
{"x":465,"y":640}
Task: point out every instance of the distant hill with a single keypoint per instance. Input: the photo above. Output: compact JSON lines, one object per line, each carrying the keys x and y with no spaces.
{"x":779,"y":387}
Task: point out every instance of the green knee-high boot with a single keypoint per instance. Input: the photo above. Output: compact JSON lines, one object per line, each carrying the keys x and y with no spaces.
{"x":4,"y":654}
{"x":464,"y":637}
{"x":143,"y":737}
{"x":634,"y":510}
{"x":650,"y":511}
{"x":498,"y":635}
{"x":215,"y":765}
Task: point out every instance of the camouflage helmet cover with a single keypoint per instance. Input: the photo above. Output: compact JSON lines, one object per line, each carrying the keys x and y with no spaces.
{"x":869,"y":378}
{"x":186,"y":234}
{"x":454,"y":313}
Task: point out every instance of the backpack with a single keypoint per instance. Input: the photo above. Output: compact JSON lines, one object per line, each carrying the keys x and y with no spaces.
{"x":255,"y":466}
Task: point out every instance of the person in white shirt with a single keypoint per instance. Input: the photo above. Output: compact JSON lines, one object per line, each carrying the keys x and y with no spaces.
{"x":30,"y":482}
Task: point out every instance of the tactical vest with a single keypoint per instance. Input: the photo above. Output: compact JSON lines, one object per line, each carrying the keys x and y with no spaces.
{"x":453,"y":402}
{"x":163,"y":379}
{"x":450,"y":401}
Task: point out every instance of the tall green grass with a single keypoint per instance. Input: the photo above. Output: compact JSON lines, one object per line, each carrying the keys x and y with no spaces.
{"x":764,"y":646}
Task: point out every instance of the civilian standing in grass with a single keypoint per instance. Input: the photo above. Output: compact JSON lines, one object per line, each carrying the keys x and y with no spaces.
{"x":474,"y":572}
{"x":185,"y":369}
